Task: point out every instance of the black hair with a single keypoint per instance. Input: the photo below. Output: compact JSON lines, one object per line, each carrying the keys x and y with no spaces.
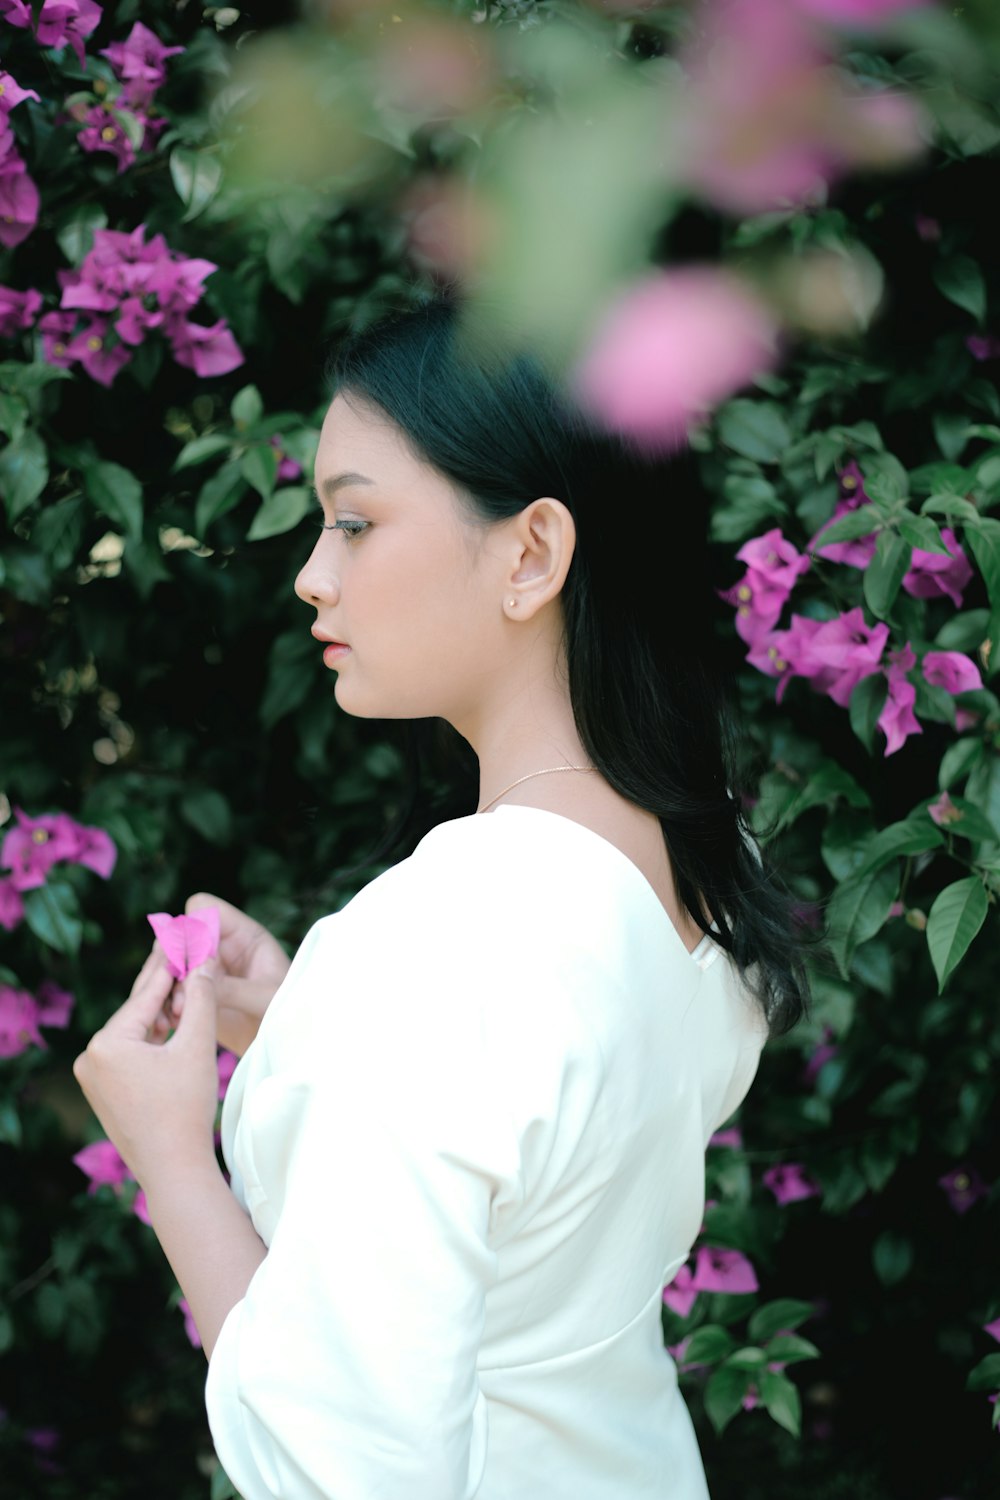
{"x":649,"y":695}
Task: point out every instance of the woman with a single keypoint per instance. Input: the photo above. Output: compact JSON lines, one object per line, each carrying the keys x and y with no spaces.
{"x":467,"y":1142}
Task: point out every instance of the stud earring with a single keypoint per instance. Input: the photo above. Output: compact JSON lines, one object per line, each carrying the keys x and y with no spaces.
{"x":513,"y":603}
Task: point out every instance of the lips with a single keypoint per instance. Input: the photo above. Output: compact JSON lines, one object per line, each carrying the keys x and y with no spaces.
{"x":328,"y":640}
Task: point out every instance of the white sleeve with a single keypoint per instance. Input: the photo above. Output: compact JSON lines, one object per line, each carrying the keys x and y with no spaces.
{"x":348,"y":1370}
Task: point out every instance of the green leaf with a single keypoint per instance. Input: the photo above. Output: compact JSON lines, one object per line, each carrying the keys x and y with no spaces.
{"x":885,"y":478}
{"x":117,"y":493}
{"x":984,"y":543}
{"x":218,"y":495}
{"x":951,"y":432}
{"x":24,"y":473}
{"x":747,"y":1358}
{"x":922,"y":532}
{"x":884,"y":573}
{"x":197,"y":177}
{"x":53,"y":914}
{"x":246,"y":408}
{"x":782,"y":1400}
{"x":708,"y":1344}
{"x":973,"y":824}
{"x":10,"y":1123}
{"x":785,"y":1312}
{"x":958,"y":760}
{"x":208,"y":445}
{"x":857,"y":910}
{"x":723,"y":1395}
{"x":281,"y":512}
{"x":985,"y":1376}
{"x":825,"y":784}
{"x":145,"y":565}
{"x":864,"y":706}
{"x":291,"y":673}
{"x":13,"y":416}
{"x":75,"y":235}
{"x":954,"y":919}
{"x":751,"y":500}
{"x":756,"y":429}
{"x":259,"y":467}
{"x":208,"y":813}
{"x":911,"y":835}
{"x":963,"y":632}
{"x":790,"y":1349}
{"x":860,"y":522}
{"x":952,"y":507}
{"x":892,"y":1257}
{"x":58,"y":531}
{"x":960,"y":279}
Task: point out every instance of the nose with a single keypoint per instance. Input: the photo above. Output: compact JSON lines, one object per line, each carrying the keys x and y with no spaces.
{"x":317,"y":582}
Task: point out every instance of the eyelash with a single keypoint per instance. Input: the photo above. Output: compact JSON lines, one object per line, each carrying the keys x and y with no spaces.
{"x":350,"y":528}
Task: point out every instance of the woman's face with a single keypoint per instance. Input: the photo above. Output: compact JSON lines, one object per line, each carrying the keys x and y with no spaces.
{"x":411,"y":586}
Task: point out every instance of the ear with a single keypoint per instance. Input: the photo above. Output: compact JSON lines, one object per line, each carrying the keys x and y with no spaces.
{"x":544,"y":537}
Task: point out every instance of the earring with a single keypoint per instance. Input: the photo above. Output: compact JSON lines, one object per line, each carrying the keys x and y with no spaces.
{"x":513,"y":602}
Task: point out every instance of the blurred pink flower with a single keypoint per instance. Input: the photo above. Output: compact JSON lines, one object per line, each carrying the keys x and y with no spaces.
{"x":842,"y":651}
{"x":18,"y":1022}
{"x":102,"y":361}
{"x":103,"y":132}
{"x":226,"y":1065}
{"x":12,"y":94}
{"x":58,"y":21}
{"x":993,"y":1329}
{"x":680,"y":1294}
{"x":207,"y":351}
{"x":103,"y":1164}
{"x":897,"y":720}
{"x":140,"y":1207}
{"x":952,"y":670}
{"x":928,"y":229}
{"x":731,"y":1137}
{"x":789,"y":1182}
{"x":857,"y":552}
{"x":819,"y":1055}
{"x":963,"y":1185}
{"x":721,"y":1270}
{"x":965,"y":718}
{"x":670,"y":348}
{"x":934,"y":575}
{"x":55,"y":1005}
{"x":11,"y":904}
{"x":19,"y":203}
{"x":55,"y":327}
{"x":287,"y":467}
{"x":33,"y":846}
{"x":983,"y":346}
{"x":944,"y":811}
{"x":139,"y":60}
{"x":18,"y":310}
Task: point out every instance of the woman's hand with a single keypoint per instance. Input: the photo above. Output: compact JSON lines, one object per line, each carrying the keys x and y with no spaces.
{"x":156,"y":1100}
{"x":252,"y":964}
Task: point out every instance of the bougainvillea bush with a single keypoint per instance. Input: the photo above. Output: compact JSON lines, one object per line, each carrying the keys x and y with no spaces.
{"x":764,"y":227}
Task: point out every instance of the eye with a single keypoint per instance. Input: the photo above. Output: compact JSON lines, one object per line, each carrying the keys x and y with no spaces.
{"x":349,"y":527}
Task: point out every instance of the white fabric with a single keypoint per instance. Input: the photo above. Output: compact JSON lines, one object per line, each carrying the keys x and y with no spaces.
{"x":471,"y":1131}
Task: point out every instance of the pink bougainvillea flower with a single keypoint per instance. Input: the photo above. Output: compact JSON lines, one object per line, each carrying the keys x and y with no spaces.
{"x":18,"y":1022}
{"x":963,"y":1185}
{"x":12,"y":94}
{"x":933,"y":575}
{"x":731,"y":1137}
{"x":59,"y":22}
{"x":944,"y":811}
{"x":858,"y":12}
{"x":140,"y":59}
{"x":103,"y":132}
{"x":287,"y":467}
{"x":721,"y":1270}
{"x":993,"y":1329}
{"x":226,"y":1065}
{"x":19,"y":202}
{"x":18,"y":310}
{"x":101,"y":360}
{"x":190,"y":1326}
{"x":103,"y":1164}
{"x":897,"y":720}
{"x":820,"y":1054}
{"x":789,"y":1182}
{"x":952,"y":670}
{"x":757,"y":607}
{"x":11,"y":904}
{"x":670,"y":348}
{"x":33,"y":846}
{"x":680,"y":1295}
{"x":842,"y":651}
{"x":187,"y":940}
{"x":773,"y":566}
{"x":206,"y":351}
{"x":135,"y":319}
{"x":55,"y":328}
{"x":983,"y":346}
{"x":55,"y":1005}
{"x":93,"y":848}
{"x":140,"y":1207}
{"x":857,"y":552}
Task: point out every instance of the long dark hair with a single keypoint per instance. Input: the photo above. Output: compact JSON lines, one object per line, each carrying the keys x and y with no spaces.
{"x":649,"y":696}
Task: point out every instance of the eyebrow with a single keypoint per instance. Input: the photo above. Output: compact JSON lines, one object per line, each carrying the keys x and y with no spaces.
{"x":335,"y":482}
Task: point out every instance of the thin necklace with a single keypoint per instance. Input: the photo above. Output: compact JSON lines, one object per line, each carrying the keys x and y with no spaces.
{"x":549,"y":770}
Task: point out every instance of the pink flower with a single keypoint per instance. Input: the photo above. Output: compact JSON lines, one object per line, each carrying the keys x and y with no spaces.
{"x":680,"y":1294}
{"x":140,"y":58}
{"x":669,"y":349}
{"x":789,"y":1182}
{"x":104,"y":133}
{"x":983,"y":346}
{"x":934,"y":575}
{"x":226,"y":1065}
{"x":819,"y":1056}
{"x":965,"y":718}
{"x":731,"y":1137}
{"x":287,"y":467}
{"x":944,"y":811}
{"x":103,"y":1164}
{"x":842,"y":651}
{"x":187,"y":940}
{"x":59,"y":22}
{"x":952,"y":670}
{"x":858,"y":551}
{"x":18,"y":1022}
{"x":11,"y":904}
{"x":32,"y":847}
{"x":54,"y":1004}
{"x":993,"y":1329}
{"x":773,"y":566}
{"x":928,"y":229}
{"x":190,"y":1327}
{"x":18,"y":310}
{"x":91,"y":847}
{"x":12,"y":94}
{"x":140,"y":1207}
{"x":963,"y":1185}
{"x":102,"y":361}
{"x":55,"y":328}
{"x":207,"y":351}
{"x":18,"y":206}
{"x":897,"y":720}
{"x":721,"y":1270}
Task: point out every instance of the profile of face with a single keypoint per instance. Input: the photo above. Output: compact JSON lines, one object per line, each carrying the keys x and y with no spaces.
{"x":411,"y":584}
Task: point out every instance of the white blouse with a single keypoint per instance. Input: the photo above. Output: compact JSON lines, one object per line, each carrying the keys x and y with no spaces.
{"x":471,"y":1131}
